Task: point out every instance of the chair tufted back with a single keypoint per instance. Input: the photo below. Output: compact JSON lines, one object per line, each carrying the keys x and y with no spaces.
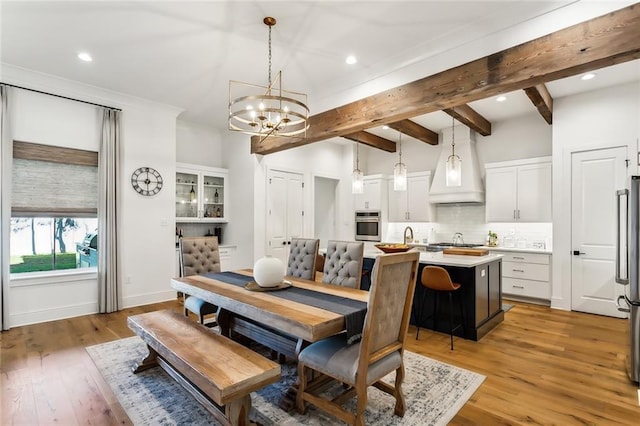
{"x":199,"y":255}
{"x":302,"y":258}
{"x":343,"y":263}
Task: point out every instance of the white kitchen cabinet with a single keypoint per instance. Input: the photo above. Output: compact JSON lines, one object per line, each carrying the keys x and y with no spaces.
{"x":519,"y":191}
{"x":526,"y":276}
{"x":373,"y":196}
{"x":413,"y":204}
{"x":201,"y":194}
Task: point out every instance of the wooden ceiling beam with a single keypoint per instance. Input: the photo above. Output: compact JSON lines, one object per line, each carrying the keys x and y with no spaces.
{"x":372,"y":140}
{"x":542,"y":99}
{"x":470,"y":118}
{"x":600,"y":42}
{"x":413,"y":129}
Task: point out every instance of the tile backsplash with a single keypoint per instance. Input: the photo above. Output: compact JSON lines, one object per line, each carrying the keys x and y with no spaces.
{"x":470,"y":221}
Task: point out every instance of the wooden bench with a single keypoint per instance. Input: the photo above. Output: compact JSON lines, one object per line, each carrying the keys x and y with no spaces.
{"x":217,"y":371}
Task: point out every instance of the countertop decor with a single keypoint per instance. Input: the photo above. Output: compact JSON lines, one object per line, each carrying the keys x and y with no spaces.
{"x":393,"y":248}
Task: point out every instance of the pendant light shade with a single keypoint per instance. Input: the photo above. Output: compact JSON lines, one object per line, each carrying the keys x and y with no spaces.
{"x":400,"y":171}
{"x":357,"y":182}
{"x":454,"y":164}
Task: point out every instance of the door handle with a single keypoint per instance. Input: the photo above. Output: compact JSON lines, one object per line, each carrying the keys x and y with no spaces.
{"x":619,"y":198}
{"x":578,"y":252}
{"x":621,"y":308}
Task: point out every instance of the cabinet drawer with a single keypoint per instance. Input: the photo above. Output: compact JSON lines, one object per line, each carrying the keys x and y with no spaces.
{"x":527,"y":271}
{"x":526,"y":288}
{"x":542,"y":259}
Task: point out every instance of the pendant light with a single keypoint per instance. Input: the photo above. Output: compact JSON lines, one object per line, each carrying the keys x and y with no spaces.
{"x":400,"y":170}
{"x":357,"y":183}
{"x":454,"y":164}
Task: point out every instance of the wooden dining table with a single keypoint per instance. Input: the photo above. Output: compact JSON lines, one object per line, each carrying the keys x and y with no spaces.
{"x":283,"y":325}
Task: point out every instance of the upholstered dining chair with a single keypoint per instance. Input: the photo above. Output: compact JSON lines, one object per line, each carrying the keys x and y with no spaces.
{"x":199,"y":255}
{"x":302,"y":258}
{"x":379,"y":352}
{"x":343,"y":263}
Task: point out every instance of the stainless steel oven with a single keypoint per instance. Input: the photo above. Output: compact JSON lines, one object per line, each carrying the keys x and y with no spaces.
{"x":368,"y":225}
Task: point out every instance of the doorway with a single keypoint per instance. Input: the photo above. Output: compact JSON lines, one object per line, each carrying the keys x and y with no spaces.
{"x":285,"y":211}
{"x":325,"y":202}
{"x":595,"y":177}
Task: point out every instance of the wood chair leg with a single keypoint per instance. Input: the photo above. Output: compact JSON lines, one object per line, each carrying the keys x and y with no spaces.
{"x":361,"y":405}
{"x":401,"y":404}
{"x":302,"y":384}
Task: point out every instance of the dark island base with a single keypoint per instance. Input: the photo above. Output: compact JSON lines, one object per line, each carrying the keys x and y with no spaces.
{"x":480,"y":295}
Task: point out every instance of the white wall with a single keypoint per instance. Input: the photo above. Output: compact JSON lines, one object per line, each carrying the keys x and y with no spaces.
{"x":146,"y":235}
{"x":601,"y":118}
{"x":197,"y":144}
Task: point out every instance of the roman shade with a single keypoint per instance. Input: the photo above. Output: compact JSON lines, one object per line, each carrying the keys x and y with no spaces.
{"x":52,"y":181}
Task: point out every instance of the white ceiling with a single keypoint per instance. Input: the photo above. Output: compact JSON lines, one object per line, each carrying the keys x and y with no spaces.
{"x":184,"y":53}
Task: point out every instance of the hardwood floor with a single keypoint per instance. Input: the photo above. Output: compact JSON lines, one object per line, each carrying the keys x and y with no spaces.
{"x":543,"y":367}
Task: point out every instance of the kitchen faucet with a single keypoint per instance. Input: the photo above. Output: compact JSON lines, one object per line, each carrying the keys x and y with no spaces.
{"x":410,"y":239}
{"x":457,"y":239}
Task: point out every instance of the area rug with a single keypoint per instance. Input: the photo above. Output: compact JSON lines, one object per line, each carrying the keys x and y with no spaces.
{"x":434,"y":392}
{"x":506,"y":307}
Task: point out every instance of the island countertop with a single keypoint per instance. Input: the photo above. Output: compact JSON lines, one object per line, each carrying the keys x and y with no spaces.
{"x":439,"y":258}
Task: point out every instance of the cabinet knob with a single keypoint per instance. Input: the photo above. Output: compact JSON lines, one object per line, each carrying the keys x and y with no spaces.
{"x":284,"y":243}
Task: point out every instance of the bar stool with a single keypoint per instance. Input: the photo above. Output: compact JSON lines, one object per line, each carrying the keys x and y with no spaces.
{"x":438,"y":279}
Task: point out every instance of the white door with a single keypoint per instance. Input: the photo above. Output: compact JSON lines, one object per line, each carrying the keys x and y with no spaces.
{"x":595,"y":177}
{"x":284,"y":212}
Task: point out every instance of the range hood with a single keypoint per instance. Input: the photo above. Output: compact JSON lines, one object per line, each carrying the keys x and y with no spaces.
{"x":472,"y":188}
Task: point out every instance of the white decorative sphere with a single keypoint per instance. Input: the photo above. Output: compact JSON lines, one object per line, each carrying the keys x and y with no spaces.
{"x":268,"y":271}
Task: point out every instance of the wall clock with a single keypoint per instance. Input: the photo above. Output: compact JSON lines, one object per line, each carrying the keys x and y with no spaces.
{"x":146,"y":181}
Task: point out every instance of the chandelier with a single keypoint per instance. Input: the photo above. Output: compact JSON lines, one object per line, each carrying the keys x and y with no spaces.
{"x":267,"y":110}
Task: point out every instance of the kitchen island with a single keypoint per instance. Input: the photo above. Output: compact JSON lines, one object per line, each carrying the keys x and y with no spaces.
{"x":481,"y":292}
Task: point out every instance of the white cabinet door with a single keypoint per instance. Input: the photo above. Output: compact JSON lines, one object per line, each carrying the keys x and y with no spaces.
{"x":501,"y":194}
{"x":519,"y":192}
{"x":419,"y":209}
{"x":201,"y":194}
{"x":397,"y":204}
{"x":534,"y":193}
{"x":370,"y":199}
{"x":413,"y":204}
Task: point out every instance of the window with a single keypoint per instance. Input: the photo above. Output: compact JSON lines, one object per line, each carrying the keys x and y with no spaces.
{"x":53,"y":208}
{"x":49,"y":244}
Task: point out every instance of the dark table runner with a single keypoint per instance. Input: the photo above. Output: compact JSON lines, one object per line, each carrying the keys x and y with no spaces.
{"x":354,"y":311}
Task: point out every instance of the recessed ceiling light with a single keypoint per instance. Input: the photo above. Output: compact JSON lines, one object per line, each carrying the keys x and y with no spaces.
{"x":501,"y":98}
{"x":84,"y":56}
{"x":588,"y":76}
{"x":351,"y":60}
{"x":385,"y":127}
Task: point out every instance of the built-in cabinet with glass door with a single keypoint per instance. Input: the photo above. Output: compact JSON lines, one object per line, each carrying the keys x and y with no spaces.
{"x":201,"y":194}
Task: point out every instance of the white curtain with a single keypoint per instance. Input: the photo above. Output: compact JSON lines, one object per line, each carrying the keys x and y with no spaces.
{"x":6,"y":154}
{"x":109,"y":293}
